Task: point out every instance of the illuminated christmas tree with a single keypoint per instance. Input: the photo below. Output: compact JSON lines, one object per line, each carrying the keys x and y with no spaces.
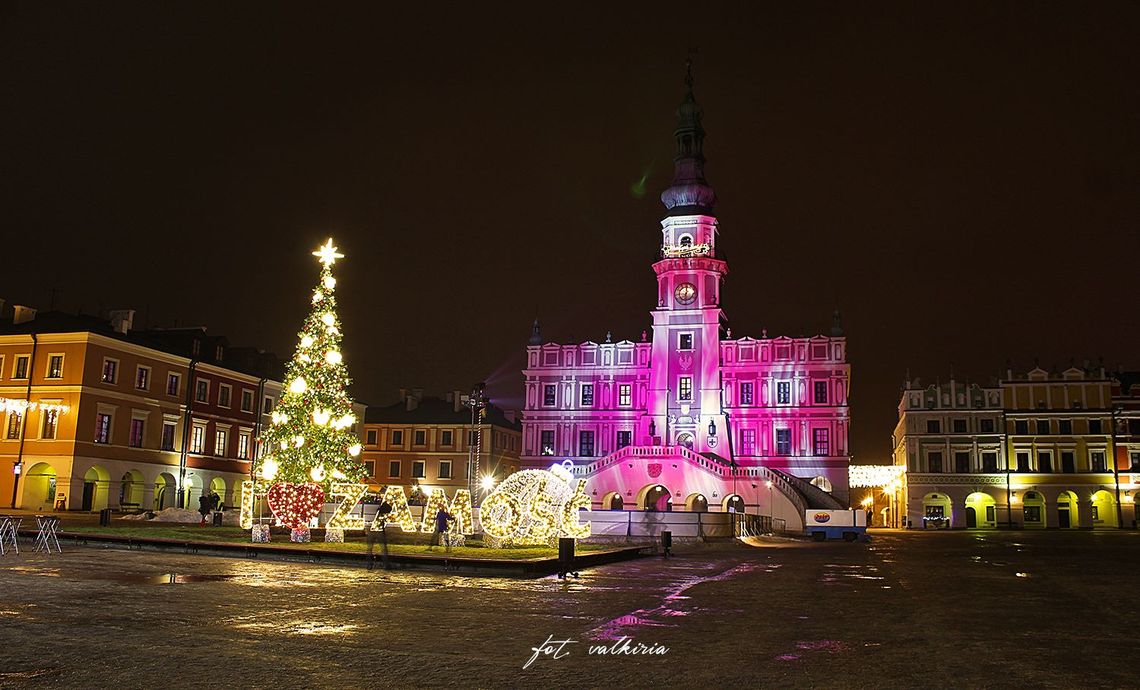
{"x":309,"y":440}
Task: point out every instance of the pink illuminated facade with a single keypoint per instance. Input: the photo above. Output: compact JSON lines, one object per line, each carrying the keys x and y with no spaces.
{"x":690,"y":414}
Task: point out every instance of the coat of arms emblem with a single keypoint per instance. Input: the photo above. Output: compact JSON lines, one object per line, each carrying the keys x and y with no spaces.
{"x":654,"y":470}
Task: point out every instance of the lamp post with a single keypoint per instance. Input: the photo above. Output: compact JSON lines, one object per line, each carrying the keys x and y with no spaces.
{"x":17,"y":468}
{"x":771,"y":508}
{"x":478,"y":403}
{"x":1117,"y":427}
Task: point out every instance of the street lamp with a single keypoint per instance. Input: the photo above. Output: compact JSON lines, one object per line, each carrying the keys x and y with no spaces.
{"x":771,"y":508}
{"x":478,"y":403}
{"x":17,"y":468}
{"x":1117,"y":427}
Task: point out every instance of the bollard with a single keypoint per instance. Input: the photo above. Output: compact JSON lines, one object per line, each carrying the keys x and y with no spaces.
{"x":667,"y":543}
{"x":105,"y":517}
{"x":217,"y":518}
{"x":566,"y":557}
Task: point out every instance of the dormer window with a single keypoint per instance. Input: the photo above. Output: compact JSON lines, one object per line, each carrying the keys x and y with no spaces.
{"x":686,"y":240}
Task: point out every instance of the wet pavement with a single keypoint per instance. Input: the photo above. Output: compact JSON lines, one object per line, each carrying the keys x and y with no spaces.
{"x":953,"y":609}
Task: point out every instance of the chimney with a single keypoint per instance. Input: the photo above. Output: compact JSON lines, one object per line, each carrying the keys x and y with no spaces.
{"x":456,"y":398}
{"x":122,"y":320}
{"x":22,"y":314}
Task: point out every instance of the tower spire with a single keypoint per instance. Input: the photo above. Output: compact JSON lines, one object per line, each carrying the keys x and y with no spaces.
{"x":690,"y":193}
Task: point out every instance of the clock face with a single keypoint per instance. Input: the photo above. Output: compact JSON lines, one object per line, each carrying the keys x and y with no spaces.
{"x":685,"y":293}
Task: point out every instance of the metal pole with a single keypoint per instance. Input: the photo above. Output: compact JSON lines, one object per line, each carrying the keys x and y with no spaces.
{"x":1116,"y":469}
{"x":186,"y":426}
{"x":24,"y":422}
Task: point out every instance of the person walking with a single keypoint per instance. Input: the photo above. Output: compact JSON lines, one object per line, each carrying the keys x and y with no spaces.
{"x":381,"y":534}
{"x":442,"y":519}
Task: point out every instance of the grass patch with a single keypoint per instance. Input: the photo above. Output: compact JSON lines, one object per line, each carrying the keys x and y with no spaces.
{"x":399,"y":544}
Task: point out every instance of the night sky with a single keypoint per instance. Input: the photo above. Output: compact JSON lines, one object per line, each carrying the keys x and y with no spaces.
{"x":961,"y":179}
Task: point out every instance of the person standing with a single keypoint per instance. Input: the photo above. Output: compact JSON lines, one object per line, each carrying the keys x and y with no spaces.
{"x":204,"y":507}
{"x":442,"y":519}
{"x":382,"y":533}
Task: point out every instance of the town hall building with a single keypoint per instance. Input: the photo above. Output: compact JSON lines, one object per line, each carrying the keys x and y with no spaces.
{"x":691,"y":418}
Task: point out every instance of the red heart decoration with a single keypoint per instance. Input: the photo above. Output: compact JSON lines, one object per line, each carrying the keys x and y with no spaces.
{"x":295,"y":504}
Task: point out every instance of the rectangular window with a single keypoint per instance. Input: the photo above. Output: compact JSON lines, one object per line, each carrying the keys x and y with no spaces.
{"x":201,"y":391}
{"x":370,"y":437}
{"x":989,"y":462}
{"x":136,"y":439}
{"x":959,"y":426}
{"x":445,"y":469}
{"x":748,"y":442}
{"x":1068,"y":462}
{"x":110,"y":371}
{"x":267,"y":405}
{"x":51,"y":424}
{"x":783,"y":392}
{"x":933,"y":426}
{"x":394,"y":469}
{"x":962,"y":463}
{"x":547,"y":447}
{"x":55,"y":367}
{"x":1042,"y":427}
{"x":586,"y":444}
{"x":168,"y":435}
{"x":370,"y":468}
{"x":397,"y":437}
{"x":20,"y":369}
{"x":1135,"y":459}
{"x":549,"y":391}
{"x":1096,"y":461}
{"x":587,"y":395}
{"x":102,"y":428}
{"x":473,"y":438}
{"x":625,"y":395}
{"x":142,"y":378}
{"x":821,"y":443}
{"x":821,"y":392}
{"x":247,"y":401}
{"x":446,"y":437}
{"x":1044,"y":462}
{"x":685,"y":388}
{"x":986,"y":426}
{"x":935,"y":461}
{"x":1023,"y":462}
{"x":685,"y":341}
{"x":221,"y":445}
{"x":421,"y":437}
{"x":243,"y":446}
{"x":13,"y":425}
{"x":783,"y":441}
{"x":197,"y":439}
{"x":224,"y":392}
{"x":1021,"y":427}
{"x":746,"y":393}
{"x":1032,"y":513}
{"x":624,"y":438}
{"x":417,"y":469}
{"x":1094,"y":427}
{"x":1065,"y":426}
{"x":173,"y":383}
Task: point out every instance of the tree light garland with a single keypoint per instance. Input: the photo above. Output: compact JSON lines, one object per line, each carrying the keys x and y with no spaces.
{"x":862,"y":476}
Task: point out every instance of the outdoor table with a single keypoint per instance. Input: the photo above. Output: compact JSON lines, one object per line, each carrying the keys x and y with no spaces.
{"x":9,"y":526}
{"x":46,"y":536}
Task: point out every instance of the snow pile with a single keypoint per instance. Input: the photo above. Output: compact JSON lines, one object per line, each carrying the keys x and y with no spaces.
{"x":230,"y":518}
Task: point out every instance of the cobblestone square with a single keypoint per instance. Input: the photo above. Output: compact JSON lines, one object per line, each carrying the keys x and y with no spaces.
{"x":956,"y":609}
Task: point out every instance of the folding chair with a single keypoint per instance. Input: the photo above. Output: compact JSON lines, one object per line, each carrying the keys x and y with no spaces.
{"x":9,"y":526}
{"x":46,"y":536}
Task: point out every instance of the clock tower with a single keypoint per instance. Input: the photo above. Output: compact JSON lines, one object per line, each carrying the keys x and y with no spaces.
{"x":684,"y":397}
